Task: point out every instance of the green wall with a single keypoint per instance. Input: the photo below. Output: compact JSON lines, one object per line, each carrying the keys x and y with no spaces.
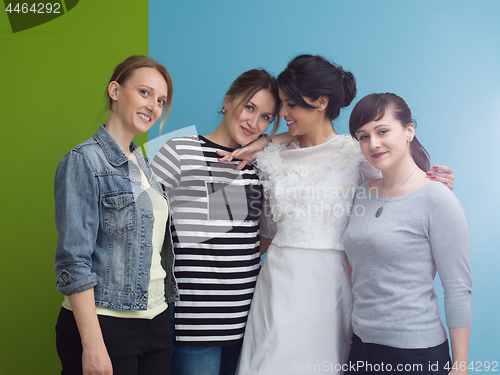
{"x":52,"y":83}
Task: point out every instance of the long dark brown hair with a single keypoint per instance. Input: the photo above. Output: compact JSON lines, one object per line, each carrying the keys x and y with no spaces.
{"x":372,"y":108}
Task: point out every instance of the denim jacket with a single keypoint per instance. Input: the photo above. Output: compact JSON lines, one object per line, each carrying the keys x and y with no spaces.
{"x":105,"y":226}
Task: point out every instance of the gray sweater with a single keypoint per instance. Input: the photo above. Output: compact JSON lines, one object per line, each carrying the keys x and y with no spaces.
{"x":395,"y":258}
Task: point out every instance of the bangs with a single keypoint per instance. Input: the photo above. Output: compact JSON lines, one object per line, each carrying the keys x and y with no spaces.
{"x":291,"y":88}
{"x":370,"y":108}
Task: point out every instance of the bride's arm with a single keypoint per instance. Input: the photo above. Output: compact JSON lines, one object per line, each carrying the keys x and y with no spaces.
{"x":438,"y":173}
{"x":368,"y":172}
{"x":246,"y":153}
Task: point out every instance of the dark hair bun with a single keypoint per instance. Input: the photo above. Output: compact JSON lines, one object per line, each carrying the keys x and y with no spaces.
{"x":313,"y":76}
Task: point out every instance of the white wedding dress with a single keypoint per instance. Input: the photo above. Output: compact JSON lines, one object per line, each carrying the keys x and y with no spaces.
{"x":299,"y":320}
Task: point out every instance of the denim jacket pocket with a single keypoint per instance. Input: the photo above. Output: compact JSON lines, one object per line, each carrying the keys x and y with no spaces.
{"x":119,"y":212}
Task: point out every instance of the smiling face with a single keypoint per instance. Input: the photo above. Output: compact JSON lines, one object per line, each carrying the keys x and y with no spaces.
{"x":139,"y":101}
{"x":385,"y":142}
{"x":300,"y":120}
{"x":253,"y":119}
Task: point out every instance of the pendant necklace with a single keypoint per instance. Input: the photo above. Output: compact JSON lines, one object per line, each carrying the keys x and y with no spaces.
{"x":381,"y":209}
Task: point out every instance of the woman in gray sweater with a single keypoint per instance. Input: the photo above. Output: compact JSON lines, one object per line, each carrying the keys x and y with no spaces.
{"x":403,"y":229}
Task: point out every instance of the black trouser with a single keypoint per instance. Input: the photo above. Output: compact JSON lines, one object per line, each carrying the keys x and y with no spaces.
{"x":135,"y":346}
{"x":380,"y":359}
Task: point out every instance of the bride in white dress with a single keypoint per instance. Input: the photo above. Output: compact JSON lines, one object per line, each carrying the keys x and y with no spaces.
{"x":299,"y":320}
{"x":300,"y":315}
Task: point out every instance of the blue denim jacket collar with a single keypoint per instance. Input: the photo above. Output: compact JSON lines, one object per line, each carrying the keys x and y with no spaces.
{"x":113,"y":152}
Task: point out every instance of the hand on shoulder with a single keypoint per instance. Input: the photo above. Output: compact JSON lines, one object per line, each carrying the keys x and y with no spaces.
{"x":442,"y":173}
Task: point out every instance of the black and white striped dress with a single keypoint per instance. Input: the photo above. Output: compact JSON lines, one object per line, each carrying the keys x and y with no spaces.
{"x":215,"y":226}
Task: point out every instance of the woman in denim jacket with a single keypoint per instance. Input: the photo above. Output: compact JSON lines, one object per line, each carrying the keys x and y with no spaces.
{"x":114,"y":256}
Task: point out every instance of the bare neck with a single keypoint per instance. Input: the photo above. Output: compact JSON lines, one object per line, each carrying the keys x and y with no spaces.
{"x":318,"y":135}
{"x":222,"y":137}
{"x":119,"y":134}
{"x":402,"y":179}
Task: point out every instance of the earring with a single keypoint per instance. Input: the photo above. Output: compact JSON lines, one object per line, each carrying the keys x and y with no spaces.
{"x":409,"y":139}
{"x":223,"y":110}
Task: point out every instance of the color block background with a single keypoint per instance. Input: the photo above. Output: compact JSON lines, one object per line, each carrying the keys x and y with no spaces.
{"x":52,"y":79}
{"x":442,"y":56}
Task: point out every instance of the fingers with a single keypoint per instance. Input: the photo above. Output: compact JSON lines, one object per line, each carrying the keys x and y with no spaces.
{"x":446,"y":176}
{"x":442,"y":168}
{"x":242,"y":164}
{"x":240,"y":153}
{"x":229,"y":156}
{"x":443,"y":174}
{"x":435,"y":173}
{"x":226,"y":156}
{"x":445,"y":180}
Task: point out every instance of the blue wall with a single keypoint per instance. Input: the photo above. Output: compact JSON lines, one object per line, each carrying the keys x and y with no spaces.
{"x":442,"y":57}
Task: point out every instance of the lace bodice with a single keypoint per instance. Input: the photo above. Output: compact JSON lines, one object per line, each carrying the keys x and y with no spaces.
{"x":311,"y":190}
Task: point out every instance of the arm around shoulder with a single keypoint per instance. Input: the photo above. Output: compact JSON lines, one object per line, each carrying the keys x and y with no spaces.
{"x":283,"y":138}
{"x":247,"y":153}
{"x":368,"y":172}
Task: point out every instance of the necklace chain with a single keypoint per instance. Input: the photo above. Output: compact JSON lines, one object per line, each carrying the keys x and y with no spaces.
{"x":381,"y":209}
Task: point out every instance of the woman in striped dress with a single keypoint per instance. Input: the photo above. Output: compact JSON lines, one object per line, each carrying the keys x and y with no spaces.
{"x":215,"y":215}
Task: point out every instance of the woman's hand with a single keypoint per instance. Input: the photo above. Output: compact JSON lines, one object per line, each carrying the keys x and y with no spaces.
{"x":96,"y":361}
{"x":246,"y":154}
{"x":442,"y":174}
